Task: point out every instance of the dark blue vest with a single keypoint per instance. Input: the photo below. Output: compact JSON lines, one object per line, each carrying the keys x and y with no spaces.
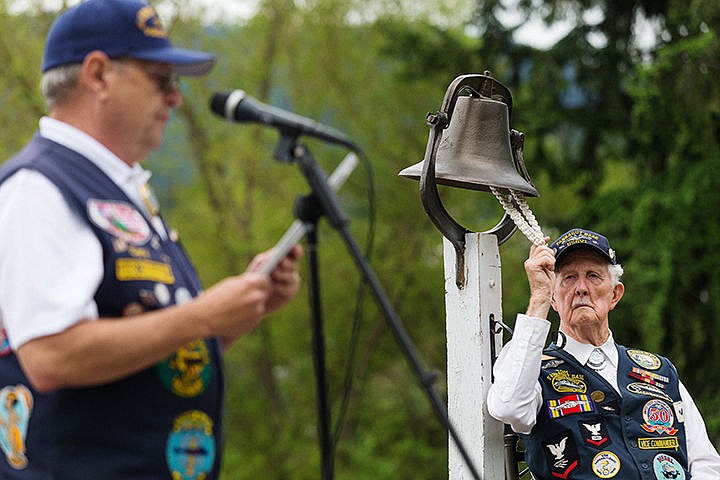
{"x":161,"y":423}
{"x":585,"y":430}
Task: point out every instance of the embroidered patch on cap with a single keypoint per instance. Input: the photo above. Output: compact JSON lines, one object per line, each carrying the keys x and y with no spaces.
{"x":119,"y":219}
{"x":190,"y":451}
{"x":644,"y":359}
{"x":606,"y":464}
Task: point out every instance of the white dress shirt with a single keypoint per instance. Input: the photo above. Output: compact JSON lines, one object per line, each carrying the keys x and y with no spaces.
{"x":516,"y":395}
{"x":50,"y":260}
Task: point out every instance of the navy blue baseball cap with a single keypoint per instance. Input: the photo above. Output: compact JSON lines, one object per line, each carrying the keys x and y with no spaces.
{"x":580,"y":238}
{"x":120,"y":28}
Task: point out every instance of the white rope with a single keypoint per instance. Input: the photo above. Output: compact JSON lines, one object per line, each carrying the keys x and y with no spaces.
{"x":517,"y":208}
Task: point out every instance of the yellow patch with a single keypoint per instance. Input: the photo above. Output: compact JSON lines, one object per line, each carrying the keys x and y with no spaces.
{"x":149,"y":23}
{"x":129,"y":269}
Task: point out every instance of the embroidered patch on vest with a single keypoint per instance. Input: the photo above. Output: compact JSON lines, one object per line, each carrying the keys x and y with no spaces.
{"x":648,"y":390}
{"x":658,"y":418}
{"x":120,"y":220}
{"x":658,"y":443}
{"x":594,"y":432}
{"x":190,"y":451}
{"x":563,"y":381}
{"x":134,"y":269}
{"x":679,"y":411}
{"x":606,"y":464}
{"x":551,"y":362}
{"x":665,"y":466}
{"x":16,"y":404}
{"x":561,"y":455}
{"x":644,"y":359}
{"x":569,"y":404}
{"x":654,"y":376}
{"x":5,"y":348}
{"x":646,"y":379}
{"x":187,"y":372}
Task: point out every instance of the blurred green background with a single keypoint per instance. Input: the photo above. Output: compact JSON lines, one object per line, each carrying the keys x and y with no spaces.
{"x":620,"y":105}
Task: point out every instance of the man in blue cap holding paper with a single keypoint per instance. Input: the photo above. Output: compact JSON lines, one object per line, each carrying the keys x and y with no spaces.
{"x":111,"y":352}
{"x":587,"y":407}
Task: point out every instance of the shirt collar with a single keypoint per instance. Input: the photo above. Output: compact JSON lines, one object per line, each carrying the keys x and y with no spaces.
{"x":82,"y":143}
{"x":582,"y":351}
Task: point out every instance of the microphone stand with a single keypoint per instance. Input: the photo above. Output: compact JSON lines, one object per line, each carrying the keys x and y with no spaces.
{"x":322,"y":200}
{"x":308,"y":211}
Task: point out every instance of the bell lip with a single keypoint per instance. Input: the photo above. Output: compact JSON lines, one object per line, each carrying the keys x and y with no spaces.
{"x":414,"y":172}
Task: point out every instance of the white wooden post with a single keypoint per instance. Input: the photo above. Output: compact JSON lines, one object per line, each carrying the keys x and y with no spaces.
{"x":469,"y":338}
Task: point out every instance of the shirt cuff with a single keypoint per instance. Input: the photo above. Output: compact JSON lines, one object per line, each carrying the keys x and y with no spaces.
{"x":534,"y":330}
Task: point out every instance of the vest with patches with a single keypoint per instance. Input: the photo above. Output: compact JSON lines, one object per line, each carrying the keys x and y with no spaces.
{"x":162,"y":422}
{"x":586,"y":430}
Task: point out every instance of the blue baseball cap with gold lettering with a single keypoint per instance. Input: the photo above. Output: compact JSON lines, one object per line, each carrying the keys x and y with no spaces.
{"x":581,"y":238}
{"x":120,"y":28}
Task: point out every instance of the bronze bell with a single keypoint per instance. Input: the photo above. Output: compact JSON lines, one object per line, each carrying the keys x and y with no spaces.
{"x":475,"y":150}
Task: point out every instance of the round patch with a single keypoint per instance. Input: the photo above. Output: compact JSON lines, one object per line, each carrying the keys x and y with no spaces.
{"x":186,"y":373}
{"x":658,"y":417}
{"x":190,"y":451}
{"x":645,"y":359}
{"x":598,"y":396}
{"x":606,"y":464}
{"x":120,"y":220}
{"x":666,"y":467}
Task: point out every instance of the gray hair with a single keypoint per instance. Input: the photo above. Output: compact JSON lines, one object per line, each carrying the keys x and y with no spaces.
{"x":616,"y":272}
{"x":57,"y":84}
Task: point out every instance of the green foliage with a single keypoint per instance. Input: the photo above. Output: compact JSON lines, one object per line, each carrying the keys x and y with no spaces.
{"x":618,"y":139}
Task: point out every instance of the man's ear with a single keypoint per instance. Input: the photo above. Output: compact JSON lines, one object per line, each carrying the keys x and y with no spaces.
{"x":94,"y":70}
{"x":618,"y":292}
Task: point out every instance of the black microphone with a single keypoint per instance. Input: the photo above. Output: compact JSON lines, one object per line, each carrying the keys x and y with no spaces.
{"x":240,"y":107}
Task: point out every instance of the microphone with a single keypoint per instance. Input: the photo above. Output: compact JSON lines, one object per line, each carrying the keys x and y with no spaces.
{"x":240,"y":107}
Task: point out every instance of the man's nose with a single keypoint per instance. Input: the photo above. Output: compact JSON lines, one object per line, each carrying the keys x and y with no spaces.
{"x":581,"y":287}
{"x":173,"y":97}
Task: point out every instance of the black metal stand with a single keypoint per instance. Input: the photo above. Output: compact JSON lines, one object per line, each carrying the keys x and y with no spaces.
{"x":308,"y":211}
{"x":288,"y":150}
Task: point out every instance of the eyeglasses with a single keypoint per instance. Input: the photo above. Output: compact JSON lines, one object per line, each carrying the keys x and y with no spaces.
{"x":166,"y":81}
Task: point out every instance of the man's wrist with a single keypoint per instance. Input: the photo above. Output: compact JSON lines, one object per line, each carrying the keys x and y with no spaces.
{"x":538,"y":308}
